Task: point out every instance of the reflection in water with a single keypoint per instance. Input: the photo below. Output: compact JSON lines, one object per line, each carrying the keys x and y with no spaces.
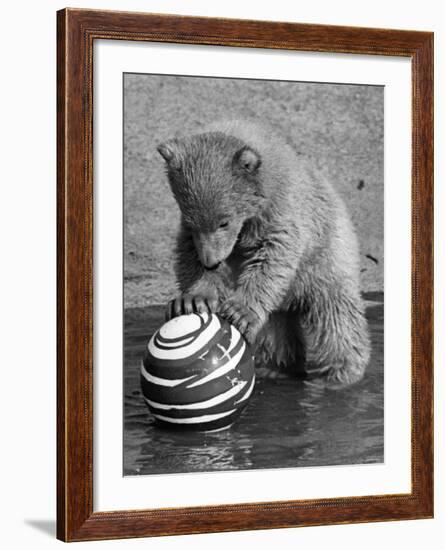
{"x":287,"y":423}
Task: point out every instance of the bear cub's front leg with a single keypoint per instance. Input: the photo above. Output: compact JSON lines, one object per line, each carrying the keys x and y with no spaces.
{"x":244,"y":318}
{"x":192,"y":303}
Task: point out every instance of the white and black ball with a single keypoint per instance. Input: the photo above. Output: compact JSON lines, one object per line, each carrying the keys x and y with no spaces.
{"x":197,"y":373}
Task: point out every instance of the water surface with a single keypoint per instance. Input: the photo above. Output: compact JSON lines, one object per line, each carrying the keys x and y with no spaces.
{"x":287,"y":423}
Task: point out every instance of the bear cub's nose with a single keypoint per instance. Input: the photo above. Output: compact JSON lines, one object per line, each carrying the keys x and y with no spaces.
{"x":213,"y":266}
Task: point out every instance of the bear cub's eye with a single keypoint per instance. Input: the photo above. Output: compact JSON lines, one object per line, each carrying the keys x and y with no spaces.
{"x":224,"y":224}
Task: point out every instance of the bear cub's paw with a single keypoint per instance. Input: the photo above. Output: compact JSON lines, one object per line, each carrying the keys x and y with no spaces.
{"x":190,"y":303}
{"x":242,"y":317}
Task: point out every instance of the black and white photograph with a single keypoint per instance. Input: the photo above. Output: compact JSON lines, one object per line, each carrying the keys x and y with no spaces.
{"x":222,"y":252}
{"x":253,"y":274}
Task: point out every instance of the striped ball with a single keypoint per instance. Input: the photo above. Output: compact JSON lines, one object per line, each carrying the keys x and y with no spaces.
{"x":197,"y":373}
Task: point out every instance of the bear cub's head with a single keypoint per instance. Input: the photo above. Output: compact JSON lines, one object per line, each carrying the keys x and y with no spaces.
{"x":216,"y":181}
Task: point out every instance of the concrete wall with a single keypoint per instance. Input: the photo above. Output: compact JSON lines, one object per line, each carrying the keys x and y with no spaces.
{"x":341,"y":126}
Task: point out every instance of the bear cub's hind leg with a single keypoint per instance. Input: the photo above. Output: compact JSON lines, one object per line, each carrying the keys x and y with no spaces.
{"x":279,"y":348}
{"x":337,"y":338}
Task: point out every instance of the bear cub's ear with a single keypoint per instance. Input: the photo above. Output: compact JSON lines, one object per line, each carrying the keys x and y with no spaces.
{"x":246,"y":160}
{"x":169,"y":153}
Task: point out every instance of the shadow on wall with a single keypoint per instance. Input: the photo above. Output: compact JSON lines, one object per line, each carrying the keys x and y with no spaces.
{"x":47,"y":526}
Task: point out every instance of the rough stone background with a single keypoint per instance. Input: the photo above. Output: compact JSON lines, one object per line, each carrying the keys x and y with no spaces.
{"x":340,"y":126}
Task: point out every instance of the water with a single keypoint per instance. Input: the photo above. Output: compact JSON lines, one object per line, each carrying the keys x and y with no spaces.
{"x":287,"y":423}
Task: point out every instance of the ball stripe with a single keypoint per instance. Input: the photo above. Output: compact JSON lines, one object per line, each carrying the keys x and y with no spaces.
{"x":164,"y":381}
{"x":181,"y":393}
{"x":182,"y":352}
{"x":227,"y":366}
{"x":168,"y":345}
{"x":176,"y":325}
{"x":174,"y":368}
{"x":236,"y":401}
{"x":248,"y":392}
{"x":194,"y":419}
{"x":235,"y":337}
{"x":217,"y":400}
{"x":221,"y":371}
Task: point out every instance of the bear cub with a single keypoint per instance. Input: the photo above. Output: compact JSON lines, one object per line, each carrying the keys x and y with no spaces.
{"x":266,"y":241}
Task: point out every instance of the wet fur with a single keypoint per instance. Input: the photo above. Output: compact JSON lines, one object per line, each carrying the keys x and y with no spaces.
{"x":290,"y":281}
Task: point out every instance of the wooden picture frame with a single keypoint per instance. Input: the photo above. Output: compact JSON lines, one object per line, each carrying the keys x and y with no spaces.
{"x":76,"y":32}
